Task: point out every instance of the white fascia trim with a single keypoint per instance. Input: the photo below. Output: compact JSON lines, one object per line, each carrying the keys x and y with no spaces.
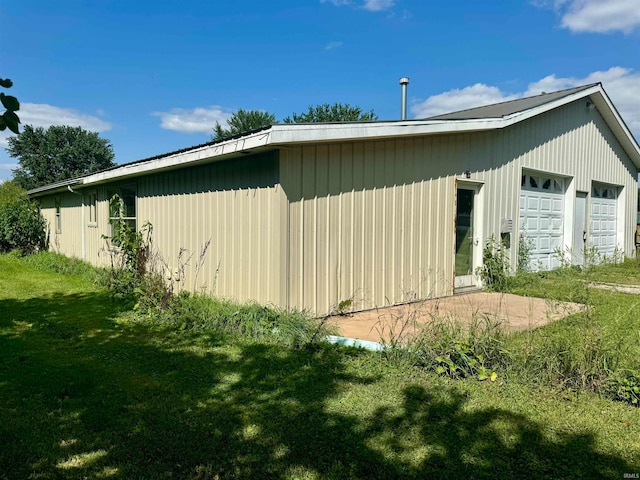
{"x":237,"y":145}
{"x":285,"y":134}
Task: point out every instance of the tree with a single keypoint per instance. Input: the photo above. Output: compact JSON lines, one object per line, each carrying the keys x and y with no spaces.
{"x":243,"y":121}
{"x":22,"y":226}
{"x":57,"y":153}
{"x":9,"y":119}
{"x":337,"y":112}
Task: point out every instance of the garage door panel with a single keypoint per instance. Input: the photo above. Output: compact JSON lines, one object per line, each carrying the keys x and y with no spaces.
{"x":541,"y":216}
{"x":545,"y":205}
{"x":603,"y":222}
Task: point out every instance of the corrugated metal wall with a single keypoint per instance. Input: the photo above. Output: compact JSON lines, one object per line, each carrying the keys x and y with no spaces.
{"x":239,"y":206}
{"x":69,"y":240}
{"x":374,"y":221}
{"x":369,"y":221}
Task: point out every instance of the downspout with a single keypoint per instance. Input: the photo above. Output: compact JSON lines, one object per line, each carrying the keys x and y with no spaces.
{"x":82,"y":232}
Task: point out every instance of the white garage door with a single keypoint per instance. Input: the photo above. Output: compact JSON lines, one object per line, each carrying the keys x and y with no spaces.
{"x":541,"y":218}
{"x":603,"y":226}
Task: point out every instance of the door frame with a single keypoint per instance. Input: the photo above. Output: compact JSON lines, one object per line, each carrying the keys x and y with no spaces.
{"x":472,"y":280}
{"x":579,"y":238}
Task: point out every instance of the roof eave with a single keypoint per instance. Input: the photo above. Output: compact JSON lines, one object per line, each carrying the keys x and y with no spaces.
{"x":291,"y":134}
{"x":55,"y":187}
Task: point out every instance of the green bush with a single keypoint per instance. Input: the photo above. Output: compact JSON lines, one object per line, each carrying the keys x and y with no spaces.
{"x":494,"y":271}
{"x":22,"y":226}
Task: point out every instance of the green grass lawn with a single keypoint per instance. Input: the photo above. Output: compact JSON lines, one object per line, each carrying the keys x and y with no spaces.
{"x":85,"y":392}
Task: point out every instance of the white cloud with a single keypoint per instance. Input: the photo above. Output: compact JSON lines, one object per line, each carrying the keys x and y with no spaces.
{"x":44,"y":115}
{"x":332,"y":45}
{"x":369,"y":5}
{"x":459,"y":99}
{"x":378,"y":5}
{"x":195,"y":120}
{"x":620,"y":83}
{"x":597,"y":16}
{"x":337,"y":3}
{"x":8,"y":166}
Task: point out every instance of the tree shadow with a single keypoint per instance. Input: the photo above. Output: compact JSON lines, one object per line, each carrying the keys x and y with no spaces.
{"x":83,"y":396}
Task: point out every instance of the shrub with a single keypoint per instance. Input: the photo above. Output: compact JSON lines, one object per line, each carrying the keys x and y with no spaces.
{"x":525,"y":249}
{"x":494,"y":271}
{"x":22,"y":226}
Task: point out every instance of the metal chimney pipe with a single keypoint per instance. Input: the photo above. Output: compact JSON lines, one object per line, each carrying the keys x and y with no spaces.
{"x":404,"y":81}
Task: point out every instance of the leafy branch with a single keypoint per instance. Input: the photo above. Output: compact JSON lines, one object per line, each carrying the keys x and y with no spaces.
{"x":9,"y":119}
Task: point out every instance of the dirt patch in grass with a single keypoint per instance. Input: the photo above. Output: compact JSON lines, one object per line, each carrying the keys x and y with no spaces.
{"x":514,"y":312}
{"x":618,"y":288}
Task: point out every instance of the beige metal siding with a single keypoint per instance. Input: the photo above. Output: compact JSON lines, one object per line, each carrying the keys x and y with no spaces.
{"x":371,"y":221}
{"x":374,"y":221}
{"x":69,"y":240}
{"x":238,"y":206}
{"x":368,"y":223}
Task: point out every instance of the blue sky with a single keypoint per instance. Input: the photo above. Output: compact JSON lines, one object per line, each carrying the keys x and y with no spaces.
{"x":155,"y":76}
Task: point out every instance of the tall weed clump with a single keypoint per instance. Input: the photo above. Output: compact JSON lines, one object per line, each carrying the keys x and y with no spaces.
{"x":450,"y":348}
{"x":56,"y":262}
{"x":251,"y":321}
{"x":494,"y":271}
{"x":139,"y":272}
{"x":132,"y":273}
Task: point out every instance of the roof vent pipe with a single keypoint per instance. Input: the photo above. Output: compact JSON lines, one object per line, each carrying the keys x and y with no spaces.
{"x":404,"y":81}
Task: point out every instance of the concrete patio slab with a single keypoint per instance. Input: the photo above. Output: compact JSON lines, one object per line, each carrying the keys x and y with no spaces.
{"x":514,"y":313}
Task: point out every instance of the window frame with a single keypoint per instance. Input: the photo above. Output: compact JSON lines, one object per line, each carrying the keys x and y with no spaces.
{"x":130,"y":220}
{"x":92,"y":203}
{"x":58,"y":213}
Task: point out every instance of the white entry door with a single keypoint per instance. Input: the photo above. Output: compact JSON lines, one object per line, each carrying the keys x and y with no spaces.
{"x":468,"y":251}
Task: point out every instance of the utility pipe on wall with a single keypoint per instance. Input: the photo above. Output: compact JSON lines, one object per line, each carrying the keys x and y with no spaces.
{"x":404,"y":81}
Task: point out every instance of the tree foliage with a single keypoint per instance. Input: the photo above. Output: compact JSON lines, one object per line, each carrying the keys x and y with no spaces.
{"x":9,"y":118}
{"x":57,"y":153}
{"x":338,"y":112}
{"x":243,"y":121}
{"x":22,"y":226}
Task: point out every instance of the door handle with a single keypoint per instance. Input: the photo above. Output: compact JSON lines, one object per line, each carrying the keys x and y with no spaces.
{"x":584,"y":237}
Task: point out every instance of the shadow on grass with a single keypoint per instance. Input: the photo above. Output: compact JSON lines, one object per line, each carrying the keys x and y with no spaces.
{"x":82,"y":396}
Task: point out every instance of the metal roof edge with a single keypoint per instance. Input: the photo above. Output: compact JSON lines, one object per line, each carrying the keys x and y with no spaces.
{"x":55,"y":187}
{"x":287,"y":134}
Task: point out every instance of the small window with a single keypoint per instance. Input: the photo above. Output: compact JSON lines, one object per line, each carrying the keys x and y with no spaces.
{"x":605,"y":193}
{"x":92,"y":203}
{"x":547,"y":184}
{"x":128,"y":207}
{"x":58,"y":204}
{"x":533,"y":183}
{"x":557,"y":186}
